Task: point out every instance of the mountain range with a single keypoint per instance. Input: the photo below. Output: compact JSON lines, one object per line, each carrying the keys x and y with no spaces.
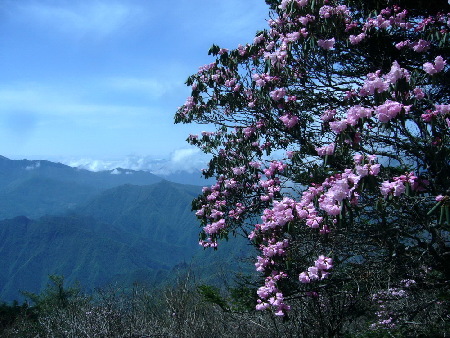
{"x":98,"y":228}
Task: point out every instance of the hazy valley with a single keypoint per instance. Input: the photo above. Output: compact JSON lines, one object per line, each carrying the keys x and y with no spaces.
{"x":98,"y":228}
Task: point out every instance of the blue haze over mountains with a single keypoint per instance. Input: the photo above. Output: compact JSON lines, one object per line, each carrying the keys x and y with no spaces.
{"x":98,"y":228}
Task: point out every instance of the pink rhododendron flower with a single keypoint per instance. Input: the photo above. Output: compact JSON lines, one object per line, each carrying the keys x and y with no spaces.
{"x":439,"y":63}
{"x":189,"y":102}
{"x":278,"y":94}
{"x":289,"y":120}
{"x":326,"y":44}
{"x":255,"y":164}
{"x":241,"y":50}
{"x":238,"y":170}
{"x":388,"y":110}
{"x":292,"y":37}
{"x":284,"y":4}
{"x":304,"y":277}
{"x":328,"y":115}
{"x":258,"y":39}
{"x":428,"y":67}
{"x":418,"y":93}
{"x":326,"y":150}
{"x":427,"y":117}
{"x":338,"y":126}
{"x":355,"y":113}
{"x":249,"y":131}
{"x":358,"y":158}
{"x":304,"y":20}
{"x":318,"y":271}
{"x":402,"y":44}
{"x":374,"y":83}
{"x":438,"y":66}
{"x":396,"y":73}
{"x":325,"y":11}
{"x":324,"y":263}
{"x":277,"y":58}
{"x":396,"y":188}
{"x":354,"y":40}
{"x":421,"y":46}
{"x":442,"y":108}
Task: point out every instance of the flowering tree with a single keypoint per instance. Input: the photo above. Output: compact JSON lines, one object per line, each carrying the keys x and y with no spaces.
{"x":332,"y":155}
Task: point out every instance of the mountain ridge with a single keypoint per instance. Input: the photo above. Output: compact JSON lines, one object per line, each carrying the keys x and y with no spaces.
{"x":97,"y":235}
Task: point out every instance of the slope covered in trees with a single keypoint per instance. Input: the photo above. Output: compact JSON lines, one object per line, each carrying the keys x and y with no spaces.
{"x":333,"y":127}
{"x":123,"y":235}
{"x":36,"y":188}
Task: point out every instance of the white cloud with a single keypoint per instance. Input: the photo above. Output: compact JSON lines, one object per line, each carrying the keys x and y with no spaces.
{"x":115,"y":172}
{"x":36,"y":105}
{"x":182,"y":155}
{"x":98,"y":18}
{"x":228,"y":21}
{"x":186,"y":159}
{"x":33,"y":166}
{"x":151,"y":87}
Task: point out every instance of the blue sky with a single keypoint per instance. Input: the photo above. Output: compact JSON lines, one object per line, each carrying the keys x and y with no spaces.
{"x":102,"y":79}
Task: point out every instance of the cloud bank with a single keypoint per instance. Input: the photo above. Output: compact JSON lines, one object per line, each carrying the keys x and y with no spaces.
{"x":93,"y":18}
{"x":190,"y":160}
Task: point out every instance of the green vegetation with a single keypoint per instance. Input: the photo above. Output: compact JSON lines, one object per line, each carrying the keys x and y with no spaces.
{"x":38,"y":188}
{"x":125,"y":234}
{"x":330,"y":144}
{"x":331,"y":154}
{"x":181,"y":309}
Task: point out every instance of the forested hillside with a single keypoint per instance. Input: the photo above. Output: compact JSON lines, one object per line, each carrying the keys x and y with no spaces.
{"x":92,"y":228}
{"x":37,"y":188}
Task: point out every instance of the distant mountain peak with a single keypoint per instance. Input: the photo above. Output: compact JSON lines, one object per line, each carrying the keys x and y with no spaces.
{"x":4,"y":158}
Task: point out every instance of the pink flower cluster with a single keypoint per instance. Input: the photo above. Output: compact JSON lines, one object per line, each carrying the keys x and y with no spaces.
{"x":326,"y":150}
{"x":317,"y":272}
{"x":278,"y":94}
{"x":385,"y":20}
{"x":294,"y":36}
{"x":417,"y":46}
{"x":270,"y":296}
{"x":273,"y":247}
{"x":354,"y":114}
{"x":275,"y":167}
{"x":289,"y":120}
{"x":386,"y":301}
{"x":440,"y":110}
{"x":207,"y":67}
{"x":304,"y":20}
{"x":285,"y":3}
{"x":271,"y":232}
{"x":389,"y":110}
{"x":327,"y":11}
{"x":328,"y":115}
{"x":398,"y":186}
{"x":214,"y":208}
{"x":326,"y":44}
{"x":355,"y":39}
{"x":277,"y":57}
{"x":262,"y":79}
{"x":271,"y":186}
{"x":437,"y":67}
{"x":376,"y":83}
{"x":238,"y":170}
